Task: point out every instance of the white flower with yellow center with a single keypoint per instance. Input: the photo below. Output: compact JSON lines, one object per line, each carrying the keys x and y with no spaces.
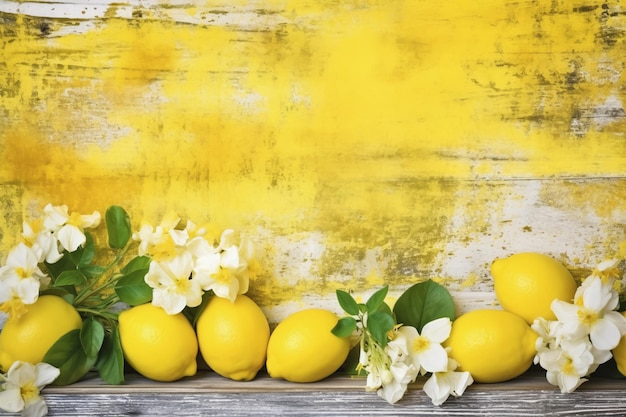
{"x":217,"y":272}
{"x":425,"y":350}
{"x":42,"y":241}
{"x":22,"y":385}
{"x":69,"y":227}
{"x":161,"y":243}
{"x":592,"y":314}
{"x":567,"y":365}
{"x":20,"y":280}
{"x":222,"y":270}
{"x":173,"y":286}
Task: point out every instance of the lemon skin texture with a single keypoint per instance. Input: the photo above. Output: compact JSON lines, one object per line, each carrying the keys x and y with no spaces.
{"x":303,"y":349}
{"x":28,"y":337}
{"x":492,"y":345}
{"x":526,"y":284}
{"x":157,"y":345}
{"x":233,"y":337}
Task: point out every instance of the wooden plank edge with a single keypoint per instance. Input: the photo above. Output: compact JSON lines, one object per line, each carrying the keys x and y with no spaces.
{"x":207,"y":381}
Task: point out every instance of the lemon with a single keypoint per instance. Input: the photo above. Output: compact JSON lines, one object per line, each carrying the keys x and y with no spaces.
{"x":619,"y":354}
{"x":303,"y":349}
{"x":159,"y":346}
{"x":492,"y":345}
{"x":28,"y":337}
{"x":233,"y":337}
{"x":527,"y":283}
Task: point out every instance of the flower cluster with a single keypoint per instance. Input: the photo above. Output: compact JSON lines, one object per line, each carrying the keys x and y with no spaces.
{"x":573,"y":346}
{"x":394,"y":355}
{"x":20,"y":388}
{"x":409,"y":354}
{"x":44,"y":240}
{"x":174,"y":268}
{"x":187,"y":262}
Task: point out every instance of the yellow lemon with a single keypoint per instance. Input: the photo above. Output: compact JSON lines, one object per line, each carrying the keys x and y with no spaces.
{"x":619,"y":354}
{"x":159,"y":346}
{"x":303,"y":349}
{"x":233,"y":337}
{"x":527,"y":283}
{"x":28,"y":337}
{"x":492,"y":345}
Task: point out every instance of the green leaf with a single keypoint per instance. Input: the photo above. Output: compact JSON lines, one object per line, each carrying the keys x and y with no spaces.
{"x":132,"y":289}
{"x":71,"y":277}
{"x":118,"y":227}
{"x":63,"y":264}
{"x":91,"y":271}
{"x":88,"y":251}
{"x":347,"y":303}
{"x":137,"y":263}
{"x":422,"y":303}
{"x":378,"y":324}
{"x":68,"y":355}
{"x":110,"y":364}
{"x":91,"y":336}
{"x":376,"y":299}
{"x":384,"y":307}
{"x":345,"y":327}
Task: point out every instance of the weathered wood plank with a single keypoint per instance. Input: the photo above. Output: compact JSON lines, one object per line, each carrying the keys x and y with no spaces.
{"x":210,"y":394}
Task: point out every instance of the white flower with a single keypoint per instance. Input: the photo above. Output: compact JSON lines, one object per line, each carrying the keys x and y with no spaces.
{"x":43,"y":241}
{"x":160,"y":243}
{"x":441,"y":385}
{"x":22,"y":263}
{"x":607,"y":270}
{"x":568,"y":365}
{"x":592,"y":315}
{"x":22,"y":385}
{"x":425,"y":350}
{"x":551,"y":334}
{"x":393,"y":389}
{"x":172,"y":284}
{"x":16,"y":294}
{"x":221,"y":270}
{"x":69,"y":227}
{"x":597,"y":293}
{"x":20,"y":280}
{"x":388,"y":376}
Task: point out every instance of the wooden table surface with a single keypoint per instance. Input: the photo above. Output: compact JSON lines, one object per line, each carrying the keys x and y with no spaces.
{"x":209,"y":394}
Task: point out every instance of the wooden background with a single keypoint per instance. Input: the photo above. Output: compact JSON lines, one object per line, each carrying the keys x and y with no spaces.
{"x":360,"y":142}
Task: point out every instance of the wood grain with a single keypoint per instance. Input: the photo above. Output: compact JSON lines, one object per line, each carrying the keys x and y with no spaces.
{"x":209,"y":394}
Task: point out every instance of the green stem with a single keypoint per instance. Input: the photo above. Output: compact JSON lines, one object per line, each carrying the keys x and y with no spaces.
{"x":88,"y":291}
{"x":104,"y":314}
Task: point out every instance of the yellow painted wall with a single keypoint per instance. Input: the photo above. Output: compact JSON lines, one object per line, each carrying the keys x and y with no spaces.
{"x":361,"y":142}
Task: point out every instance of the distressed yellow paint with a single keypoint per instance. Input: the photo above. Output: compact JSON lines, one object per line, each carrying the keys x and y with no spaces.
{"x":374,"y":124}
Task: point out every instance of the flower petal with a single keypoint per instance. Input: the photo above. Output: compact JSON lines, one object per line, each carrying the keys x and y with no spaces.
{"x":605,"y":334}
{"x":437,"y":388}
{"x":434,"y":359}
{"x":46,"y":374}
{"x":36,"y":408}
{"x":90,"y":220}
{"x":230,"y":258}
{"x":11,"y":400}
{"x":71,"y":237}
{"x":172,"y":303}
{"x":392,"y":392}
{"x":438,"y":330}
